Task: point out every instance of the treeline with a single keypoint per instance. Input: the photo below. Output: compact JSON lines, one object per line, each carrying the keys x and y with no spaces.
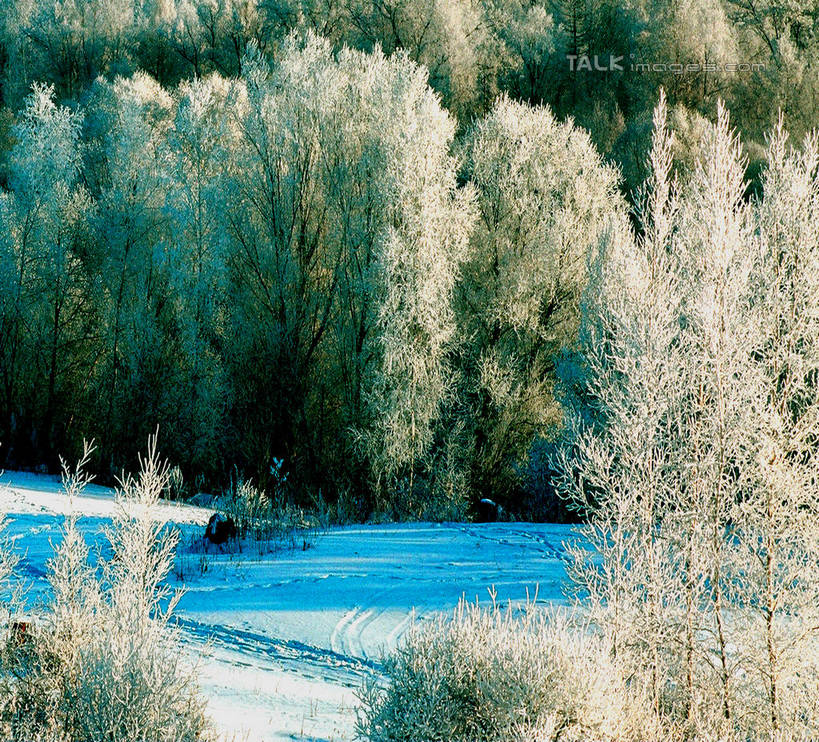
{"x":293,"y":264}
{"x":758,"y":56}
{"x":290,"y":244}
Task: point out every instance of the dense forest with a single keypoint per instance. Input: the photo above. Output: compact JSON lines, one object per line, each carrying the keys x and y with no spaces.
{"x":354,"y":237}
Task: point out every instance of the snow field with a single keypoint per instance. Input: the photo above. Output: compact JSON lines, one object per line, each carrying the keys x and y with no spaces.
{"x":282,"y":642}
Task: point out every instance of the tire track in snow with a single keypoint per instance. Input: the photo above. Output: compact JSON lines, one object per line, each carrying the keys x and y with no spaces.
{"x":401,"y":627}
{"x":347,"y":637}
{"x":337,"y":636}
{"x":247,"y":648}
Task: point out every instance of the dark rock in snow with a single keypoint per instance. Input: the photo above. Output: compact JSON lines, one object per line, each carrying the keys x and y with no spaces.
{"x":219,"y":529}
{"x":488,"y":511}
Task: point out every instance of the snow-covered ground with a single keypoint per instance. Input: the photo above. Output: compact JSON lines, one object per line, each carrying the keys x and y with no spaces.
{"x":283,"y":642}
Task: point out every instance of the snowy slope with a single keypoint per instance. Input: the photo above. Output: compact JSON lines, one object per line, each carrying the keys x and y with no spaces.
{"x":283,"y":642}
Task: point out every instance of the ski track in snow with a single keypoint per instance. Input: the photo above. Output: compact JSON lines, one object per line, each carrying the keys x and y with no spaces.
{"x":282,"y":643}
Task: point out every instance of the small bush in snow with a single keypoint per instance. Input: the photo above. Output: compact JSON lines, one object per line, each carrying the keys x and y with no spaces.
{"x":498,"y":675}
{"x":266,"y":523}
{"x":104,"y":664}
{"x":8,"y":559}
{"x":176,"y":488}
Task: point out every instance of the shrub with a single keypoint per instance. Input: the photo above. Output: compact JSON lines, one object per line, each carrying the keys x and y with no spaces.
{"x":177,"y":487}
{"x":8,"y":559}
{"x":266,"y":522}
{"x":500,"y":675}
{"x":105,"y":664}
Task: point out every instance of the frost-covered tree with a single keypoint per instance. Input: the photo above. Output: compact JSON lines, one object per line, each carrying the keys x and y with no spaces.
{"x":212,"y":36}
{"x":157,"y":162}
{"x":286,"y":247}
{"x":545,"y":198}
{"x":130,"y":167}
{"x":777,"y":519}
{"x":200,"y":149}
{"x":623,"y":444}
{"x":347,"y":231}
{"x":442,"y":35}
{"x":699,"y":33}
{"x":523,"y":53}
{"x":47,"y":294}
{"x":70,"y":42}
{"x":422,"y":242}
{"x":693,"y":448}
